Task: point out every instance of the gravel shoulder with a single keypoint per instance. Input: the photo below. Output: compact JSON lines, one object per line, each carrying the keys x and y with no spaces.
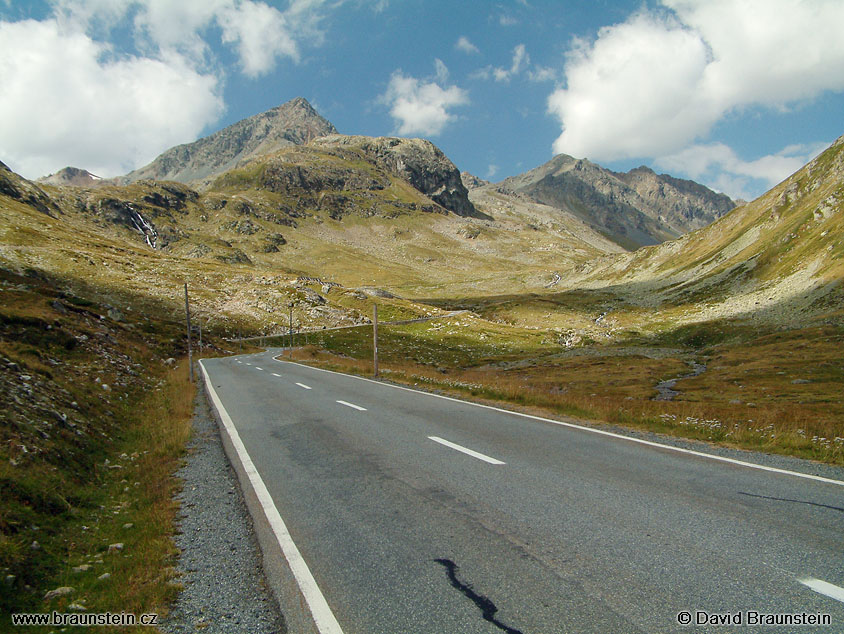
{"x":224,"y":589}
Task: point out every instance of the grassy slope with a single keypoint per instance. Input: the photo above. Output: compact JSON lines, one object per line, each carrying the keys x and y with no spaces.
{"x":113,"y":263}
{"x":776,"y":258}
{"x":778,"y":261}
{"x":350,"y":233}
{"x":93,"y":427}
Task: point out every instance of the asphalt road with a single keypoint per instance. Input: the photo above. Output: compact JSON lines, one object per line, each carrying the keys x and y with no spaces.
{"x":547,"y":529}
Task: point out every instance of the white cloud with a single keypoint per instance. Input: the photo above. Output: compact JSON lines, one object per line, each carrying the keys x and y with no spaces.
{"x":521,"y":60}
{"x":422,"y":106}
{"x":768,"y":51}
{"x":491,"y":171}
{"x":721,"y":168}
{"x":659,"y":81}
{"x":634,"y":92}
{"x":519,"y":63}
{"x":441,"y":71}
{"x":80,"y":96}
{"x":542,"y":73}
{"x":463,"y":44}
{"x":73,"y":106}
{"x":260,"y":34}
{"x":482,"y":73}
{"x":377,"y":6}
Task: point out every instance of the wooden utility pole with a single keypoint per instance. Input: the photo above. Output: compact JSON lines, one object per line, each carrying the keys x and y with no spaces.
{"x":290,"y":349}
{"x":187,"y":314}
{"x":375,"y":340}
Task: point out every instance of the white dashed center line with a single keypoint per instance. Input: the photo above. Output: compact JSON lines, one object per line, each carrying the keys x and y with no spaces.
{"x":353,"y":406}
{"x":468,"y":452}
{"x":307,"y":387}
{"x":824,"y":587}
{"x":257,"y":368}
{"x":278,"y":375}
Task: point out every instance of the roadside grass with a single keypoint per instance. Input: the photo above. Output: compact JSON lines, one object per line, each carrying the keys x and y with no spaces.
{"x":777,"y":393}
{"x":137,"y":509}
{"x":93,"y":427}
{"x":463,"y":340}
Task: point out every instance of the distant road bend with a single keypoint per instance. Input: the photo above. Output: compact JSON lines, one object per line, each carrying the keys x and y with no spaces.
{"x":399,"y":322}
{"x":410,"y":512}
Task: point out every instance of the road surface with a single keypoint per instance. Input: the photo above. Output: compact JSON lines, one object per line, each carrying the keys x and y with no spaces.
{"x":415,"y":513}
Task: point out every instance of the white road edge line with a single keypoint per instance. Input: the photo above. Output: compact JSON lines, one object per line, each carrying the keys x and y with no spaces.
{"x":307,"y":387}
{"x":324,"y":618}
{"x":353,"y":406}
{"x":824,"y":587}
{"x":591,"y":430}
{"x":468,"y":452}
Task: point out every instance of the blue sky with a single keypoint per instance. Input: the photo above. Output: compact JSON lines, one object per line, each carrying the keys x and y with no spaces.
{"x":736,"y":94}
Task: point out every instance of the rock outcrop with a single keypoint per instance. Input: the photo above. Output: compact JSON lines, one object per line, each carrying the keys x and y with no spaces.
{"x":470,"y":181}
{"x":419,"y":162}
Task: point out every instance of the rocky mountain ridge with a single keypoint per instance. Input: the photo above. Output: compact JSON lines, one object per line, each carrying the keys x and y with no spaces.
{"x":634,"y":209}
{"x":684,"y":205}
{"x":631,"y":209}
{"x":330,"y":210}
{"x":17,"y":188}
{"x":292,"y":123}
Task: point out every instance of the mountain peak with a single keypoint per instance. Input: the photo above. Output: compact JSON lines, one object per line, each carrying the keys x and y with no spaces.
{"x":635,"y":208}
{"x":72,"y":176}
{"x":295,"y":122}
{"x":299,"y":102}
{"x":642,"y":169}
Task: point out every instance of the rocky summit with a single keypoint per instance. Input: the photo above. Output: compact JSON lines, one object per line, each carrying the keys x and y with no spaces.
{"x":72,"y":176}
{"x":634,"y":209}
{"x":417,"y":161}
{"x":293,"y":123}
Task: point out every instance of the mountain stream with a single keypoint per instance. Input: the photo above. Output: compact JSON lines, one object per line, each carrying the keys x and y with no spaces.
{"x":665,"y":389}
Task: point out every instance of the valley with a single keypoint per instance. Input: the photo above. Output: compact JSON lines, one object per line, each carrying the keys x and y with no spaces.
{"x":319,"y":230}
{"x":542,"y":298}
